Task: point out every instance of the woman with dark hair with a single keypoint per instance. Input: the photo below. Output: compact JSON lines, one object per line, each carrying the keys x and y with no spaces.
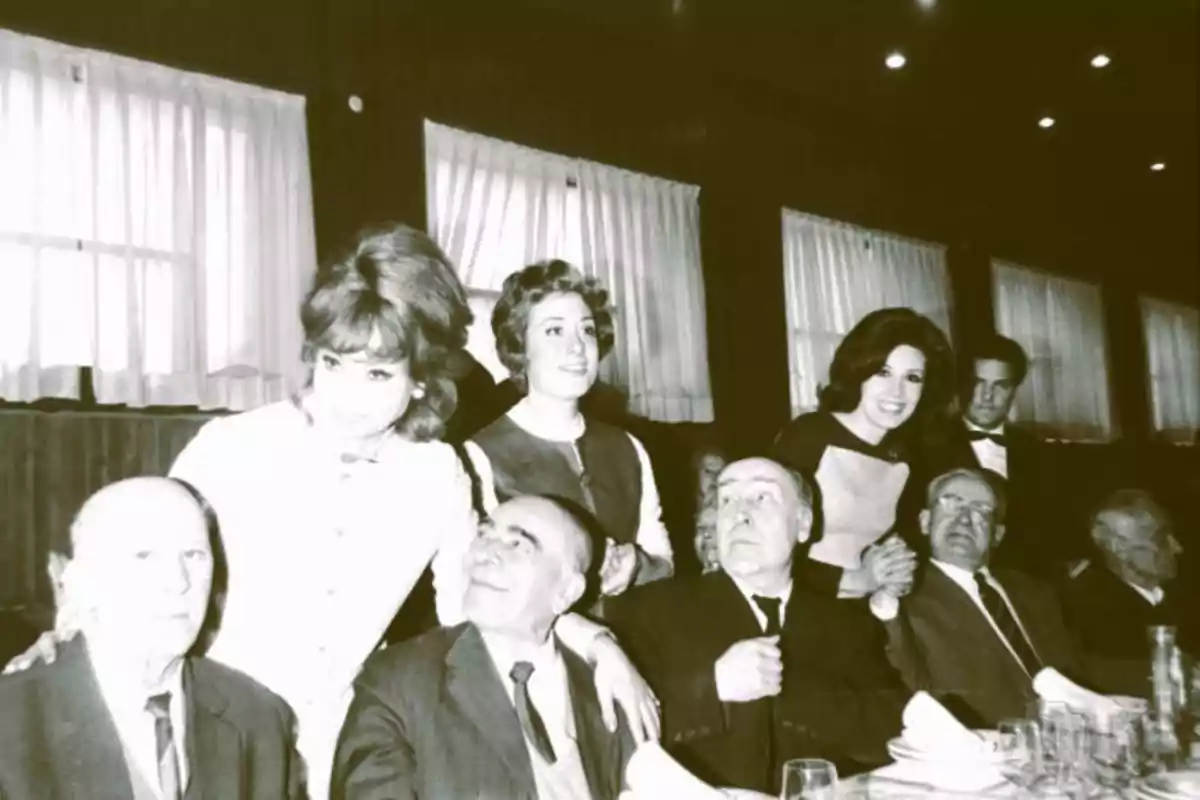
{"x":891,"y":383}
{"x":552,"y":329}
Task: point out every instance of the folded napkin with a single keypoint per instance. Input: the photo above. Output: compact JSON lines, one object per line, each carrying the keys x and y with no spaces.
{"x":929,"y":727}
{"x":1053,"y":687}
{"x":946,"y":778}
{"x":652,"y":774}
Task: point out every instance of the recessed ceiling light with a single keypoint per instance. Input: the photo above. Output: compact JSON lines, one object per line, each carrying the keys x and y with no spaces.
{"x":1046,"y":122}
{"x":1100,"y":61}
{"x":1157,"y":166}
{"x":895,"y":60}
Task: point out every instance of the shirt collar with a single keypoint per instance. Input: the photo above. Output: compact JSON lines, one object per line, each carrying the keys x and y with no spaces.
{"x":505,"y":652}
{"x":964,"y":578}
{"x":119,"y":682}
{"x":1153,"y":596}
{"x":996,"y":431}
{"x":784,"y":596}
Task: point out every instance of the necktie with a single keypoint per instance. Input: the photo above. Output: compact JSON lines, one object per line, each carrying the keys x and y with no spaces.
{"x":994,"y":438}
{"x":531,"y":721}
{"x":769,"y":606}
{"x":1007,"y":623}
{"x":159,"y":707}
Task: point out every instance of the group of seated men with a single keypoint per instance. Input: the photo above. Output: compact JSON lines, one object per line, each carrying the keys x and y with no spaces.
{"x":751,"y":669}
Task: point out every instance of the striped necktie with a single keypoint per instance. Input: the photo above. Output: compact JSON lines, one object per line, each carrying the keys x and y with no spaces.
{"x":159,"y":707}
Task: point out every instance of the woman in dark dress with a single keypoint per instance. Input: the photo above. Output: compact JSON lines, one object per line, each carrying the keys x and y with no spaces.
{"x":552,"y":329}
{"x":890,"y":385}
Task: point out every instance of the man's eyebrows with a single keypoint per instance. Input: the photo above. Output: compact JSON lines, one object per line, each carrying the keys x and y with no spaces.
{"x":526,"y":535}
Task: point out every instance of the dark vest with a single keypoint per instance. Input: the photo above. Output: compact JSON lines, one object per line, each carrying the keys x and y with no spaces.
{"x":610,"y":485}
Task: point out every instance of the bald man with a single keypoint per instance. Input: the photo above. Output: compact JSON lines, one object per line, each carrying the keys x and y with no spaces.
{"x":752,"y":667}
{"x":123,"y":713}
{"x":494,"y":708}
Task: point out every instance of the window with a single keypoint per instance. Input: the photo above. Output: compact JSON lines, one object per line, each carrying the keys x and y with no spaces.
{"x":496,"y":207}
{"x":1060,"y":323}
{"x":1173,"y":359}
{"x":155,"y":227}
{"x":836,"y":273}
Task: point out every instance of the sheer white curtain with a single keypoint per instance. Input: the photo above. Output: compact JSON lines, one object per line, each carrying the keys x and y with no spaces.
{"x":1060,"y":323}
{"x":1173,"y":358}
{"x":155,"y":225}
{"x":834,"y":274}
{"x":496,"y":207}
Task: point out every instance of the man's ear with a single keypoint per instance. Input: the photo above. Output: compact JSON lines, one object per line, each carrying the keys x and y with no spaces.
{"x":998,"y":533}
{"x":924,"y":518}
{"x":572,"y":590}
{"x":804,"y":523}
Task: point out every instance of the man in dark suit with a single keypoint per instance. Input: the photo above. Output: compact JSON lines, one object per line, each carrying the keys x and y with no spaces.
{"x":992,"y":370}
{"x":1113,"y":600}
{"x":973,"y":636}
{"x":752,"y":669}
{"x":123,"y":713}
{"x":494,"y":708}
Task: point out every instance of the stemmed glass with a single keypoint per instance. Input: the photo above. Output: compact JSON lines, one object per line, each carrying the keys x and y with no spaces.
{"x":809,"y":779}
{"x":1020,"y":751}
{"x":1117,"y":749}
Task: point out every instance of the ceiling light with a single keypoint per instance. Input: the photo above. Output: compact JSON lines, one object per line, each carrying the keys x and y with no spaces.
{"x":1101,"y":61}
{"x":895,"y":61}
{"x":1157,"y":166}
{"x":1046,"y":122}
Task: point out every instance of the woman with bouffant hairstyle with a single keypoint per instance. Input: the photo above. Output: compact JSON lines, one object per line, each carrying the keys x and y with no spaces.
{"x":552,"y":327}
{"x":891,"y":385}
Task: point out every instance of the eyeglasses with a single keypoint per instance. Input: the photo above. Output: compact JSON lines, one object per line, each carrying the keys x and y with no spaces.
{"x":953,"y":504}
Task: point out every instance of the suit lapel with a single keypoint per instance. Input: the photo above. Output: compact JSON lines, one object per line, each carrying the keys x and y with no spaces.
{"x":597,"y":746}
{"x":954,"y":600}
{"x":89,"y":757}
{"x":475,"y":686}
{"x":214,"y":744}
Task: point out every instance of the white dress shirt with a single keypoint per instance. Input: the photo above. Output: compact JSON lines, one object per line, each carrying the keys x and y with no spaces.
{"x":749,"y":594}
{"x":550,"y":694}
{"x":322,"y":554}
{"x":1153,"y":596}
{"x":126,"y":699}
{"x":885,"y":607}
{"x":652,"y":537}
{"x":991,"y":455}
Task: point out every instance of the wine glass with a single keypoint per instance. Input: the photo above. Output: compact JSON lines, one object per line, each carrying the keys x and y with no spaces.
{"x":809,"y":779}
{"x":1117,"y":749}
{"x":1020,"y":750}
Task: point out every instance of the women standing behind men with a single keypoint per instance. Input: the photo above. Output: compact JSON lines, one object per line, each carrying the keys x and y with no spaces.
{"x":333,"y":503}
{"x":892,"y":375}
{"x":552,"y":329}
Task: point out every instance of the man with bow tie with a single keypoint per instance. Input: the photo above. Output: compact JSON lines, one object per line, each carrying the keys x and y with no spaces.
{"x":124,"y":712}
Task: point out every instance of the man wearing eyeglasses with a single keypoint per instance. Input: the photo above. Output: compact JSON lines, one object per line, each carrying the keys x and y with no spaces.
{"x":969,"y":633}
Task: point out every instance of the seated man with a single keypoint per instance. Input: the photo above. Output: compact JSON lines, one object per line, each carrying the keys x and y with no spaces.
{"x":124,"y":712}
{"x":752,"y":669}
{"x":493,"y":708}
{"x":1116,"y":598}
{"x":973,"y":636}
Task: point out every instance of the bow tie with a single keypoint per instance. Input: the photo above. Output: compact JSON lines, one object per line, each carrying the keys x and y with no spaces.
{"x":995,"y":438}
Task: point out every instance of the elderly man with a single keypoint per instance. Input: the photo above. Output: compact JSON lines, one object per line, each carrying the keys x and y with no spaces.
{"x":494,"y":708}
{"x":124,"y":712}
{"x":1114,"y":600}
{"x":968,"y":633}
{"x":753,"y":669}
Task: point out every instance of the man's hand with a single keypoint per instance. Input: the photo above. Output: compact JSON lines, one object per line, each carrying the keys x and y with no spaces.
{"x":618,"y":683}
{"x":620,"y":565}
{"x":749,"y":670}
{"x":44,"y":651}
{"x":890,"y":563}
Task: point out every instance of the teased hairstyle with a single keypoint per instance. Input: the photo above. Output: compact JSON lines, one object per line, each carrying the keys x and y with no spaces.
{"x":993,"y":480}
{"x":992,"y":348}
{"x":399,"y":284}
{"x":525,"y":289}
{"x":865,"y":350}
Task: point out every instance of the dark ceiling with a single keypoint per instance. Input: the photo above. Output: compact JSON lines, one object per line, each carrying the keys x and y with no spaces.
{"x":979,"y":76}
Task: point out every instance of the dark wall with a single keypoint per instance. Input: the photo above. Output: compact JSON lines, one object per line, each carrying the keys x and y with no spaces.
{"x":529,"y":74}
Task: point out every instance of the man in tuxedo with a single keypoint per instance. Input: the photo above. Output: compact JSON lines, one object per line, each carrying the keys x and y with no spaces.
{"x":751,"y":668}
{"x":494,"y":708}
{"x":123,"y":713}
{"x":992,"y":370}
{"x":1114,"y":599}
{"x":973,"y":636}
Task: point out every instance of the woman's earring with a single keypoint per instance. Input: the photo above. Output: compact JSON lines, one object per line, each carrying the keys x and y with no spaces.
{"x":418,"y":392}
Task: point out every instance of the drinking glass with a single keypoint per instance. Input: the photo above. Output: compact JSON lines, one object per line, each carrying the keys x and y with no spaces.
{"x":809,"y":779}
{"x":1116,"y":749}
{"x":1020,"y":751}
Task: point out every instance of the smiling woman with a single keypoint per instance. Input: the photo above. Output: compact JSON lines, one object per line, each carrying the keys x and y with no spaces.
{"x":892,"y":374}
